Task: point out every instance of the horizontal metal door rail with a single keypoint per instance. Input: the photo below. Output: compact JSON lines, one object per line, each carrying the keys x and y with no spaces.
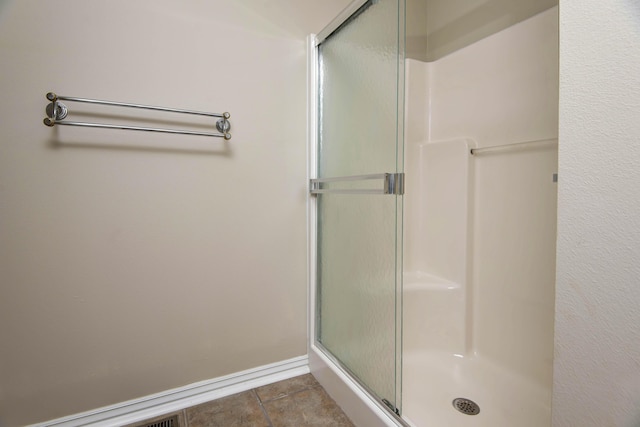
{"x":392,"y":183}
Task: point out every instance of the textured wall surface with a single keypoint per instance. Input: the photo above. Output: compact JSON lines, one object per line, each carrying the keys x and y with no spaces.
{"x":133,"y":263}
{"x":597,"y":355}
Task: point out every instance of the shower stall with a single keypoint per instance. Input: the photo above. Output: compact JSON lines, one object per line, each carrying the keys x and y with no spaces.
{"x":433,"y":173}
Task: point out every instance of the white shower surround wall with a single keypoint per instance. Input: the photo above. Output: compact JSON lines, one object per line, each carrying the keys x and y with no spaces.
{"x":480,"y":230}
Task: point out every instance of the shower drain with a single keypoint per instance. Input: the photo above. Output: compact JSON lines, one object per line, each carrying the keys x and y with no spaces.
{"x":466,"y":406}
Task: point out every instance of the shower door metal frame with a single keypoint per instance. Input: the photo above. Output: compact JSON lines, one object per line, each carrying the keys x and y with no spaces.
{"x":318,"y":355}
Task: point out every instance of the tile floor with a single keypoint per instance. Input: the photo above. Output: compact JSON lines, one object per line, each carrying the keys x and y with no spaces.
{"x":296,"y":402}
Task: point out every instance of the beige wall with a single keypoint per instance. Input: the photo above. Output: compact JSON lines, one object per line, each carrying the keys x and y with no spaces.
{"x":597,"y":356}
{"x":133,"y":263}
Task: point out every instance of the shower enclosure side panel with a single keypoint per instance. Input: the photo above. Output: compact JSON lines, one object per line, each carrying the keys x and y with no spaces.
{"x":504,"y":89}
{"x":436,"y":227}
{"x":416,"y":131}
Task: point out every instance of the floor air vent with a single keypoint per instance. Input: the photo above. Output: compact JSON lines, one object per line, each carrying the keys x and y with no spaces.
{"x":165,"y":422}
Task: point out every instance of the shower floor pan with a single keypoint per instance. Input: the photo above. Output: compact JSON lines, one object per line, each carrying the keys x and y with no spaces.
{"x":431,"y":382}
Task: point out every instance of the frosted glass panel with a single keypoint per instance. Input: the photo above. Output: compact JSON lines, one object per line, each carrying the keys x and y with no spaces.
{"x":361,"y":75}
{"x":357,"y":296}
{"x":361,"y":70}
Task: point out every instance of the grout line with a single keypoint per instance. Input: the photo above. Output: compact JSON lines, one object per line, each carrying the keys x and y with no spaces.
{"x":255,"y":394}
{"x":292,"y":393}
{"x":264,"y":410}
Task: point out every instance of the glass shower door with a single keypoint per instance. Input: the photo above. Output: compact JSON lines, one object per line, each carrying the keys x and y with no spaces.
{"x":359,"y":196}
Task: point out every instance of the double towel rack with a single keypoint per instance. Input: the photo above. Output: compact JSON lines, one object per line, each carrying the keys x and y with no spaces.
{"x":57,"y":111}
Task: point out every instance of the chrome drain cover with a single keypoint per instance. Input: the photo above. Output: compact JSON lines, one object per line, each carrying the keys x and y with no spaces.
{"x":466,"y":406}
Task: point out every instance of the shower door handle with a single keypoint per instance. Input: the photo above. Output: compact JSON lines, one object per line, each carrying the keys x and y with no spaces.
{"x":392,"y":183}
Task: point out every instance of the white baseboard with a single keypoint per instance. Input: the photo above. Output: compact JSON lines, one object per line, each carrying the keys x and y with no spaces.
{"x":183,"y":397}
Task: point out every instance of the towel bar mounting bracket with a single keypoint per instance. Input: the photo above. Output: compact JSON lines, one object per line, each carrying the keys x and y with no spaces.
{"x":56,"y":111}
